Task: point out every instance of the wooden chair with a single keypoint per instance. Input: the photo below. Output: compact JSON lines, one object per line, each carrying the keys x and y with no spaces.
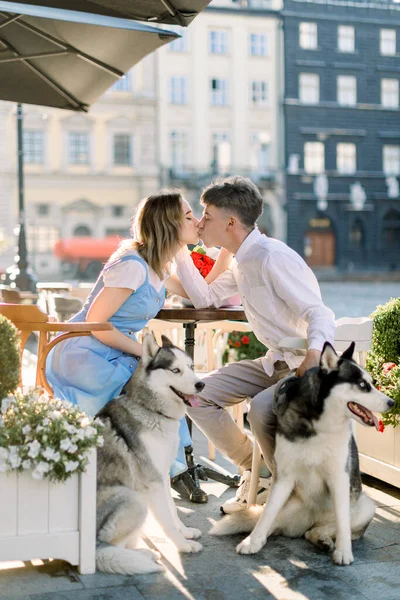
{"x":348,"y":329}
{"x":14,"y":296}
{"x":29,"y":318}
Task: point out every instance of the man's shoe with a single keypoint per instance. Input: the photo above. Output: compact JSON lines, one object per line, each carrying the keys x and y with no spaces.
{"x":239,"y":502}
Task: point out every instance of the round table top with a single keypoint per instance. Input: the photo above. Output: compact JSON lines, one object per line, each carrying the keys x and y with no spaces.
{"x":183,"y":313}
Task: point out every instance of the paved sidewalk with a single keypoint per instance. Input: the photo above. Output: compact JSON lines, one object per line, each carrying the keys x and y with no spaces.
{"x":285,"y":569}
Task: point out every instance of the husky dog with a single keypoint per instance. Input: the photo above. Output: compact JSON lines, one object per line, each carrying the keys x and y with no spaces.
{"x":140,"y":444}
{"x":317,"y":488}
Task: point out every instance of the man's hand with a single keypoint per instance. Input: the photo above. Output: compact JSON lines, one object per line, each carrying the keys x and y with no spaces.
{"x":311,"y":360}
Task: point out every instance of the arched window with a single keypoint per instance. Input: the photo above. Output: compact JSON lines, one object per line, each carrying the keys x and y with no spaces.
{"x":357,"y":234}
{"x":82,"y":231}
{"x":391,"y":229}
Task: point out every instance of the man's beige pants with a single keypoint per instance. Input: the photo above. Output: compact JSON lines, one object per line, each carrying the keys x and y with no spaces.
{"x":227,"y":386}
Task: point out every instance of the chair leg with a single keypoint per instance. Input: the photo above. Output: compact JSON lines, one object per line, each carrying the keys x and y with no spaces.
{"x":255,"y":474}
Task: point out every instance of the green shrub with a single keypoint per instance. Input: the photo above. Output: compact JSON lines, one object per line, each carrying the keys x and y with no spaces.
{"x":9,"y":357}
{"x":383,"y":362}
{"x":243,"y":345}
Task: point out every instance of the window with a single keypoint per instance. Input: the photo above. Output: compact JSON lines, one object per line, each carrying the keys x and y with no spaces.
{"x":258,"y":44}
{"x":258,"y":93}
{"x":78,"y":148}
{"x":346,"y":90}
{"x":117,"y":210}
{"x":219,"y":92}
{"x":180,"y":44}
{"x":42,"y":238}
{"x":260,"y":152}
{"x":391,"y":160}
{"x":346,"y":158}
{"x":390,"y":93}
{"x":314,"y":157}
{"x":124,"y":84}
{"x":82,"y":231}
{"x":43,"y":209}
{"x":221,"y":152}
{"x":388,"y":42}
{"x":309,"y":88}
{"x":179,"y":150}
{"x":345,"y":38}
{"x":218,"y":42}
{"x":391,"y":229}
{"x":308,"y":36}
{"x":178,"y":90}
{"x":33,"y":147}
{"x":122,"y":149}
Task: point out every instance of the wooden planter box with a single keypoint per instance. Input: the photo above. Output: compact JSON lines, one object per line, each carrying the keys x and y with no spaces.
{"x":39,"y":519}
{"x":380,"y":453}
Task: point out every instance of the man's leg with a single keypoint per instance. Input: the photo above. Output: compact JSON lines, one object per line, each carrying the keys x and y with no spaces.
{"x":225,"y":387}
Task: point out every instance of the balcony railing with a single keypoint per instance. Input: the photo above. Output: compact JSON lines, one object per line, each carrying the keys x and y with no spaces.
{"x":195,"y":178}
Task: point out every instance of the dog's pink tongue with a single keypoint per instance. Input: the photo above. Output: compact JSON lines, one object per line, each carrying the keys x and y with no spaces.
{"x":376,"y":422}
{"x":193,"y":401}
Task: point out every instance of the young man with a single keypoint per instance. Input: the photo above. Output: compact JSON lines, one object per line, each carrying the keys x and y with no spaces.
{"x":281,"y":298}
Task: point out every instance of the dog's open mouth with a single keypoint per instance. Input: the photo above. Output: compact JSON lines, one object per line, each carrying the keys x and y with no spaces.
{"x":364,"y":414}
{"x":189,"y":400}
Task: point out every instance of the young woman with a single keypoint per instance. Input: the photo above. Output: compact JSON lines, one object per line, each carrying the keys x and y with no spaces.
{"x":129,"y":292}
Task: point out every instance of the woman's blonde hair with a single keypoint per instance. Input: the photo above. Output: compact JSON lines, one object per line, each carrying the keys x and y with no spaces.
{"x":156,"y":230}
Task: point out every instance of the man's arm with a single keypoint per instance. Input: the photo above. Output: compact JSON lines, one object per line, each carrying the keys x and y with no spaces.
{"x":202,"y":293}
{"x":297,"y":285}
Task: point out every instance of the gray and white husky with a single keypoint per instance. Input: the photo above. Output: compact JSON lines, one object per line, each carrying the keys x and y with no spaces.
{"x":317,"y":488}
{"x":141,"y":437}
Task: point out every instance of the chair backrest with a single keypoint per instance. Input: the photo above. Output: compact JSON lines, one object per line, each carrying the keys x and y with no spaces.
{"x":23,"y":313}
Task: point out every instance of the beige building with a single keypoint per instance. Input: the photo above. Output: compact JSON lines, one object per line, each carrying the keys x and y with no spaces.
{"x":84,"y":173}
{"x":219,"y":102}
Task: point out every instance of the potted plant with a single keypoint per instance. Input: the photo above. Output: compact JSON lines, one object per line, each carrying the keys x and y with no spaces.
{"x":380,"y":454}
{"x":9,"y":352}
{"x":47,"y":480}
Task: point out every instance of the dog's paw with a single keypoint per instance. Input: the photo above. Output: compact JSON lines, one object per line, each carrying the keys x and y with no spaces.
{"x":153,"y":554}
{"x":190,"y":546}
{"x":342,"y":557}
{"x":250,"y":545}
{"x":191,"y":533}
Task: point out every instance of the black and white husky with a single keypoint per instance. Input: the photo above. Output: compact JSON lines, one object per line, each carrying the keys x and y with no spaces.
{"x":141,"y":437}
{"x":317,"y":489}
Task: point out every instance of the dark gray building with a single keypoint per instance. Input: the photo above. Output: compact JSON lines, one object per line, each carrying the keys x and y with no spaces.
{"x":342,"y":129}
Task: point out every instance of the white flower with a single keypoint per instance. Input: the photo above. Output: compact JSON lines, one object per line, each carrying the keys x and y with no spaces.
{"x":46,"y":422}
{"x":73,"y":448}
{"x":39,"y":428}
{"x":98,"y":422}
{"x":65,"y":444}
{"x":55,"y":414}
{"x":90,"y":431}
{"x":15,"y":461}
{"x":79,"y":436}
{"x":100,"y":441}
{"x":85,"y":422}
{"x":71,"y":465}
{"x":71,"y":428}
{"x":6,"y":403}
{"x":26,"y":464}
{"x":43,"y":467}
{"x":37,"y":474}
{"x":1,"y":422}
{"x":26,"y":429}
{"x":34,"y":448}
{"x":50,"y":454}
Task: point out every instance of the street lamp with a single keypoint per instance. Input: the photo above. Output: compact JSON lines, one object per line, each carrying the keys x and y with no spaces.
{"x":20,"y":275}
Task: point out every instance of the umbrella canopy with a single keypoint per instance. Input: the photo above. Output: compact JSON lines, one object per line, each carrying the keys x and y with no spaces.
{"x":67,"y":59}
{"x":178,"y":12}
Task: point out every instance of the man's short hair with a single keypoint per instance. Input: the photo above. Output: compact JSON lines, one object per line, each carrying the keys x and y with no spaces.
{"x":237,"y":194}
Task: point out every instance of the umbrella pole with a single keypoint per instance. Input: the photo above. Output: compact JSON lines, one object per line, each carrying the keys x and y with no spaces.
{"x":20,"y":273}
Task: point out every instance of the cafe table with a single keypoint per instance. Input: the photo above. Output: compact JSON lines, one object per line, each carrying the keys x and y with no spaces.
{"x":190,"y":317}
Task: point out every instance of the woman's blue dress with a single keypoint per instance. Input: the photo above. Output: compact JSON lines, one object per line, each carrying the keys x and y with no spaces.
{"x":89,"y":374}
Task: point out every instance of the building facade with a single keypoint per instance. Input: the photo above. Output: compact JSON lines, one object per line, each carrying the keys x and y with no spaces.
{"x":84,"y":173}
{"x":342,"y":132}
{"x":219,"y":111}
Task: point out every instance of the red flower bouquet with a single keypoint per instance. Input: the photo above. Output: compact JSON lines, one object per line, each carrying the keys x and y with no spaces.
{"x":201,"y":261}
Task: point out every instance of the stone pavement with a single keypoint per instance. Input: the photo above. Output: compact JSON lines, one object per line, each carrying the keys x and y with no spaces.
{"x":285,"y":569}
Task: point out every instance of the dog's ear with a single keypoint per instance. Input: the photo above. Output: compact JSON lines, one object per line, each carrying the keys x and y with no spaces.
{"x":166,"y":342}
{"x":349,"y":352}
{"x":283,"y":395}
{"x":329,"y":358}
{"x":149,"y":348}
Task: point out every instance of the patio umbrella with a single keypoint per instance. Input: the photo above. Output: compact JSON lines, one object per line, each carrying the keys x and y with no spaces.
{"x":178,"y":12}
{"x":62,"y":59}
{"x":67,"y":59}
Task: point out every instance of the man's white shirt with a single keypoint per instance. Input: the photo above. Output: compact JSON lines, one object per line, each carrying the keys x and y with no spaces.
{"x":280,"y":295}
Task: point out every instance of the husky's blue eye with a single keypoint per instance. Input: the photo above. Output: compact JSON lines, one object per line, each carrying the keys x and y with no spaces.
{"x":363,"y":385}
{"x":175,"y":370}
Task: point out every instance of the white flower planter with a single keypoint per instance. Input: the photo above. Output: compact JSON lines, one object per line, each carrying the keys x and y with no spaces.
{"x":40,"y":519}
{"x":380,"y":453}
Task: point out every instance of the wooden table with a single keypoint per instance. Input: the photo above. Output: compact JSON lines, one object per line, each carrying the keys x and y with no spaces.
{"x":189,"y":317}
{"x":53,"y":286}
